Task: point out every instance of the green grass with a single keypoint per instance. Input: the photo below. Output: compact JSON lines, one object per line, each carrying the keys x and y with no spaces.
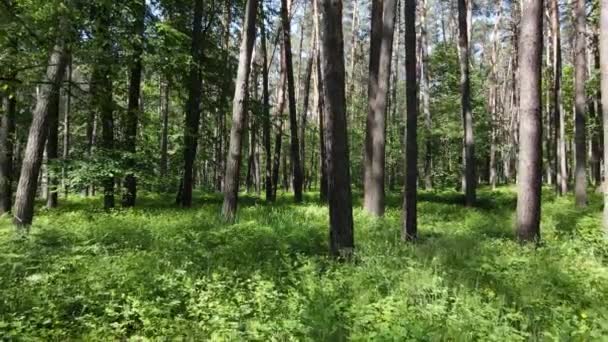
{"x":159,"y":272}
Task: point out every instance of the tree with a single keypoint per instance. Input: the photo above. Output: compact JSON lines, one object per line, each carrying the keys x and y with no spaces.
{"x":193,"y":111}
{"x":332,"y":70}
{"x":467,"y":114}
{"x":530,"y":127}
{"x":28,"y":181}
{"x":293,"y":118}
{"x":52,"y":144}
{"x":425,"y":97}
{"x":376,"y":123}
{"x":580,"y":77}
{"x":556,"y":104}
{"x":603,"y":41}
{"x":133,"y":109}
{"x":239,"y":113}
{"x":410,"y":222}
{"x":7,"y":136}
{"x":266,"y":107}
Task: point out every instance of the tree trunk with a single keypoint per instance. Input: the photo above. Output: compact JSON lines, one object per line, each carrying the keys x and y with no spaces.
{"x":597,"y":105}
{"x":467,"y":114}
{"x":306,"y":99}
{"x":193,"y":111}
{"x":239,"y":113}
{"x":164,"y":135}
{"x":293,"y":118}
{"x":7,"y":139}
{"x":266,"y":109}
{"x":580,"y":77}
{"x":66,"y":129}
{"x":339,"y":187}
{"x":133,"y":107}
{"x":603,"y":52}
{"x":52,"y":144}
{"x":424,"y":93}
{"x":320,"y":105}
{"x":26,"y":189}
{"x":410,"y":221}
{"x":529,"y":171}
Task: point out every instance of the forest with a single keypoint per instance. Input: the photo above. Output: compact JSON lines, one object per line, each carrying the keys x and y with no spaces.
{"x":303,"y":170}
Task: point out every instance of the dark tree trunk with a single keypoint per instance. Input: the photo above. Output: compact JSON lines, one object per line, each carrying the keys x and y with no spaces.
{"x":266,"y":110}
{"x":320,"y":105}
{"x":278,"y":118}
{"x":603,"y":52}
{"x":66,"y":128}
{"x":52,"y":151}
{"x":307,"y":79}
{"x":580,"y":99}
{"x":410,"y":221}
{"x":26,"y":189}
{"x":239,"y":113}
{"x":164,"y":135}
{"x":370,"y":194}
{"x":293,"y":118}
{"x":424,"y":90}
{"x":556,"y":105}
{"x":529,"y":171}
{"x":7,"y":139}
{"x":193,"y":111}
{"x":467,"y":114}
{"x":597,"y":106}
{"x":133,"y":107}
{"x":338,"y":167}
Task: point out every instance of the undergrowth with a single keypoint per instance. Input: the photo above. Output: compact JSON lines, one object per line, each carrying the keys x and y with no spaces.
{"x":160,"y":272}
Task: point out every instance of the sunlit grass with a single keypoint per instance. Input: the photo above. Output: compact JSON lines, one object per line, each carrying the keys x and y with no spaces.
{"x":161,"y":271}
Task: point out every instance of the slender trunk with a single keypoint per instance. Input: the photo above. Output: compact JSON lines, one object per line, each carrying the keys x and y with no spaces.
{"x":339,"y":187}
{"x":66,"y":129}
{"x":193,"y":112}
{"x":597,"y":105}
{"x":424,"y":94}
{"x":266,"y":109}
{"x":467,"y":114}
{"x":52,"y":144}
{"x":306,"y":99}
{"x":603,"y":52}
{"x":239,"y":113}
{"x":293,"y":118}
{"x":7,"y":140}
{"x":164,"y":135}
{"x":529,"y":171}
{"x":26,"y":189}
{"x":580,"y":77}
{"x":320,"y":105}
{"x":494,"y":99}
{"x":133,"y":107}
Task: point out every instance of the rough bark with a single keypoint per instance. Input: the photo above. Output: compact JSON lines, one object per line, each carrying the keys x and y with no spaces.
{"x":7,"y":139}
{"x":133,"y":107}
{"x":193,"y":112}
{"x":67,"y":129}
{"x":266,"y":109}
{"x":469,"y":183}
{"x":278,"y":119}
{"x":529,"y":177}
{"x":293,"y":118}
{"x":30,"y":167}
{"x":410,"y":219}
{"x":239,"y":113}
{"x":369,"y":185}
{"x":319,"y":103}
{"x":580,"y":103}
{"x":558,"y":116}
{"x":307,"y":80}
{"x":425,"y":97}
{"x":332,"y":70}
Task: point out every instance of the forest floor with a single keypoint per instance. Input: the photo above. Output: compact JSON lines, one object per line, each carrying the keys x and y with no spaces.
{"x":159,"y":271}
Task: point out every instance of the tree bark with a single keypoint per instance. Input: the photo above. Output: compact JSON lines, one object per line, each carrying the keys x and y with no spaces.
{"x":339,"y":187}
{"x":320,"y":105}
{"x":469,"y":183}
{"x":424,"y":94}
{"x":133,"y":107}
{"x":7,"y":139}
{"x":164,"y":135}
{"x":52,"y":153}
{"x":266,"y":109}
{"x":293,"y":118}
{"x":410,"y":221}
{"x":66,"y":128}
{"x":239,"y":113}
{"x":26,"y":189}
{"x":307,"y":79}
{"x":529,"y":177}
{"x":603,"y":52}
{"x":193,"y":111}
{"x":580,"y":77}
{"x":278,"y":118}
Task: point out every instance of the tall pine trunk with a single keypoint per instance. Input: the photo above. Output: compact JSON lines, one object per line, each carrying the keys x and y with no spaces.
{"x":239,"y":113}
{"x":425,"y":97}
{"x":164,"y":134}
{"x":529,"y":170}
{"x":604,"y":89}
{"x":7,"y":139}
{"x":580,"y":103}
{"x":30,"y":167}
{"x":410,"y":221}
{"x":332,"y":70}
{"x":133,"y":107}
{"x":52,"y":152}
{"x":293,"y":118}
{"x":266,"y":108}
{"x":193,"y":111}
{"x":320,"y":105}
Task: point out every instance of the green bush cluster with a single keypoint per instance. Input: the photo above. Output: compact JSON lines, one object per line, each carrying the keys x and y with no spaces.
{"x":161,"y":273}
